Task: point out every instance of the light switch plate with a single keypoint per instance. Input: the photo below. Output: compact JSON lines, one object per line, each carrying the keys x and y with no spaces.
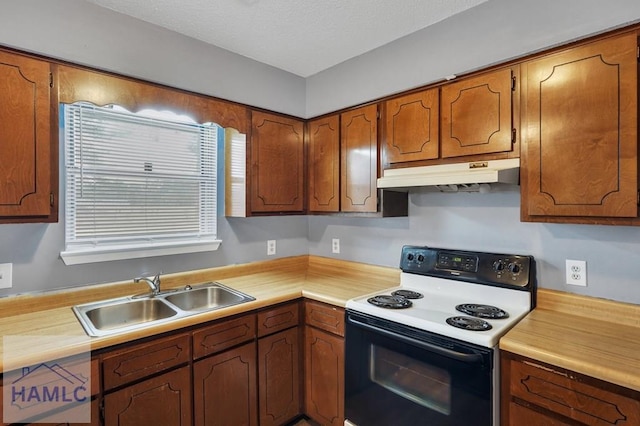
{"x":6,"y":270}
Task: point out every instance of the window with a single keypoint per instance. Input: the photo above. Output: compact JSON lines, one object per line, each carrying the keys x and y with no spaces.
{"x":137,"y":185}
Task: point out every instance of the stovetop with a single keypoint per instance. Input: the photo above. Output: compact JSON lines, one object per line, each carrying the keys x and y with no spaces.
{"x":448,"y":278}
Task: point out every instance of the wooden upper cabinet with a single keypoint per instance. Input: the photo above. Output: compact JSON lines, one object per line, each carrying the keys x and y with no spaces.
{"x":28,"y":187}
{"x":477,"y":115}
{"x":359,"y":159}
{"x":580,"y":128}
{"x":411,"y":127}
{"x":324,"y":164}
{"x":277,"y":163}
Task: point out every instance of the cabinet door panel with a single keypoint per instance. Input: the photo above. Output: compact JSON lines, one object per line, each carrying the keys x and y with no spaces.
{"x":324,"y":164}
{"x":136,"y":362}
{"x":225,"y":388}
{"x":223,"y":335}
{"x":162,"y":400}
{"x":278,"y":318}
{"x":580,"y":121}
{"x":411,"y":127}
{"x":26,"y":146}
{"x":477,"y":115}
{"x":324,"y":377}
{"x":324,"y":316}
{"x":519,"y":415}
{"x":359,"y":160}
{"x":558,"y":392}
{"x":279,"y":377}
{"x":277,"y":159}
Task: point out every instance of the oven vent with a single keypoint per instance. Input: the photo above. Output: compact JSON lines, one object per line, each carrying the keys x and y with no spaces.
{"x":460,"y":177}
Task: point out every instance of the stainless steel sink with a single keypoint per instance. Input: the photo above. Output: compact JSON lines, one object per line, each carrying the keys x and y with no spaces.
{"x":206,"y":298}
{"x":129,"y":313}
{"x":132,"y":313}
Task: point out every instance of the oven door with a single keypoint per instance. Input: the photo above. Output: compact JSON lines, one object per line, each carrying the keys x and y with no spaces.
{"x":399,"y":375}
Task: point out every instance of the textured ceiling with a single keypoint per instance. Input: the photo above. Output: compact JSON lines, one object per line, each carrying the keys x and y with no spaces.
{"x":303,"y":37}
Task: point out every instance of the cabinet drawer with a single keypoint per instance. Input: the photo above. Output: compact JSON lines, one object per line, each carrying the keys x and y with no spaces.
{"x":133,"y":363}
{"x":562,"y":393}
{"x":278,"y":318}
{"x":223,"y":335}
{"x":325,"y":317}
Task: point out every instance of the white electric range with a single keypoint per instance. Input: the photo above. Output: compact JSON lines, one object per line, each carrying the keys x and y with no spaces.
{"x":430,"y":344}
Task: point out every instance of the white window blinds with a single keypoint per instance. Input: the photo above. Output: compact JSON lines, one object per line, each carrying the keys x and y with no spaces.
{"x":135,"y":181}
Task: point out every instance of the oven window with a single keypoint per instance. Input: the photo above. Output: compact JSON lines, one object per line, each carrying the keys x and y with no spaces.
{"x":409,"y":378}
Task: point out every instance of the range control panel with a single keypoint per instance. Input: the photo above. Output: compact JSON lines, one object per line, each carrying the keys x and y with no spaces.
{"x":504,"y":270}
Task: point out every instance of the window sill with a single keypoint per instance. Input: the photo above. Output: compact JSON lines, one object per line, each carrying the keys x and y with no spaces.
{"x":106,"y":254}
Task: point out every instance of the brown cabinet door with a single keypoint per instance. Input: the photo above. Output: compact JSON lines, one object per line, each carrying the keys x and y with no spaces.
{"x":324,"y":377}
{"x":520,"y":415}
{"x":580,"y":131}
{"x":25,"y":138}
{"x":162,"y":400}
{"x":411,"y":127}
{"x":477,"y":115}
{"x":324,"y":164}
{"x":359,"y":159}
{"x":279,"y":377}
{"x":277,"y":164}
{"x":224,"y":388}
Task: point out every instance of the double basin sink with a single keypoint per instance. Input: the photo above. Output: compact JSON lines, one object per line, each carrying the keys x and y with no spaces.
{"x":113,"y":316}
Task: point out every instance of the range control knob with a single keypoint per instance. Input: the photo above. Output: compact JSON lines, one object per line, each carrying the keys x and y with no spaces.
{"x":410,"y":256}
{"x":420,"y":258}
{"x":498,"y":265}
{"x":514,"y":268}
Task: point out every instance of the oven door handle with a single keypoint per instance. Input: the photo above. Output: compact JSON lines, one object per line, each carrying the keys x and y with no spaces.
{"x":462,"y":357}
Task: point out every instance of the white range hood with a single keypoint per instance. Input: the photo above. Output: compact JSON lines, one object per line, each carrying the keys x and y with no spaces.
{"x":450,"y":175}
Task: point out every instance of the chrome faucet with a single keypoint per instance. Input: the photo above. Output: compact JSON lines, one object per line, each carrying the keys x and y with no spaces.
{"x":154,"y":283}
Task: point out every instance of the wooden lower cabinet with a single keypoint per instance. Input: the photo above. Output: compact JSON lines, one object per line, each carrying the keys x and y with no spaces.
{"x":161,"y":400}
{"x":324,"y":373}
{"x":535,"y":393}
{"x":279,"y":377}
{"x":225,"y":388}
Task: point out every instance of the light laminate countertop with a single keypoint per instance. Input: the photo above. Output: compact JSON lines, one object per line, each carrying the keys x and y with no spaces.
{"x":591,"y":336}
{"x":270,"y":282}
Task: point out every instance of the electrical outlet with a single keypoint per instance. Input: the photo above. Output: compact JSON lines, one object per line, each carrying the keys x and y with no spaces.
{"x":271,"y":247}
{"x":6,"y":270}
{"x":576,"y":272}
{"x":335,"y":245}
